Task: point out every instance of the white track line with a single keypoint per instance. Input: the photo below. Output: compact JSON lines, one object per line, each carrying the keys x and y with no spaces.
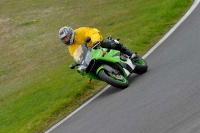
{"x":196,"y":2}
{"x":79,"y":108}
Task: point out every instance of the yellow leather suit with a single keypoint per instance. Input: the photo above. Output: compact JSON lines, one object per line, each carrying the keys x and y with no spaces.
{"x":79,"y":37}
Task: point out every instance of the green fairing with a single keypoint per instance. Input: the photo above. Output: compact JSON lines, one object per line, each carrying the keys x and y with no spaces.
{"x":107,"y":65}
{"x":98,"y":54}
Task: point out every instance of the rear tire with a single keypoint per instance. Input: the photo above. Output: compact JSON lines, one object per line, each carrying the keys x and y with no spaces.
{"x":110,"y":80}
{"x":141,"y":66}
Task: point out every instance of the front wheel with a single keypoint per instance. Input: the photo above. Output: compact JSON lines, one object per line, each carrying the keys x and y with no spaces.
{"x":115,"y":80}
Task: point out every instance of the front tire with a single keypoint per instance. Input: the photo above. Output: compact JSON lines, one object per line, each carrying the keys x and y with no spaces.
{"x":104,"y":75}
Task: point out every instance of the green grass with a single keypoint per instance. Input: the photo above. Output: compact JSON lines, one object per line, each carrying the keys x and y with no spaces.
{"x":37,"y":88}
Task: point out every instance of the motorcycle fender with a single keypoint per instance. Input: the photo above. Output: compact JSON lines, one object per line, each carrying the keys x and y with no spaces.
{"x":105,"y":67}
{"x":101,"y":67}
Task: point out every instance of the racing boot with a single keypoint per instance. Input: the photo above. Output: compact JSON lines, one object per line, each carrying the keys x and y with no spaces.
{"x":130,"y":53}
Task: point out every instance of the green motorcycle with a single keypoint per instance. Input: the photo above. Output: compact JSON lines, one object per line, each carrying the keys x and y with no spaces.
{"x":107,"y":65}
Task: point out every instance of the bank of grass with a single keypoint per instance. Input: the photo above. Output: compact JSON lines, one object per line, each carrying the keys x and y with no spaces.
{"x":37,"y":88}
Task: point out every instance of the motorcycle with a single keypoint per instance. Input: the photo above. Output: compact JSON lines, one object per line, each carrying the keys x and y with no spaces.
{"x":107,"y":65}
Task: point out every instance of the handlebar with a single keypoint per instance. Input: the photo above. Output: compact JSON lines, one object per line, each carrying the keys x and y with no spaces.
{"x":72,"y":66}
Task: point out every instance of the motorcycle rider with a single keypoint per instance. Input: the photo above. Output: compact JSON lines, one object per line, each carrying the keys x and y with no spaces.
{"x":74,"y":38}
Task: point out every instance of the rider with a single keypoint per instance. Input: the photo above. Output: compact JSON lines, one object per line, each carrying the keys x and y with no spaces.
{"x":74,"y":38}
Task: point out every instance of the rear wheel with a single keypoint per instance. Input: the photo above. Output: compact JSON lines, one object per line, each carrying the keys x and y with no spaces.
{"x":141,"y":66}
{"x":116,"y":80}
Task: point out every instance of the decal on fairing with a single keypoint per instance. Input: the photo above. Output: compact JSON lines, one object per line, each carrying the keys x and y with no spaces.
{"x":127,"y":72}
{"x":128,"y":65}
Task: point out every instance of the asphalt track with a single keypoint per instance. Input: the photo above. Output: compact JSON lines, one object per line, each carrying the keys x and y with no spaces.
{"x":166,"y":99}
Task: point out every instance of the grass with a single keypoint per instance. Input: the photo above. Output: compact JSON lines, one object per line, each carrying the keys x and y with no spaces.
{"x":37,"y":88}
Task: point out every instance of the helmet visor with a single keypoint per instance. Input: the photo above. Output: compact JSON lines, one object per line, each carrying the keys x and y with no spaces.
{"x":65,"y":41}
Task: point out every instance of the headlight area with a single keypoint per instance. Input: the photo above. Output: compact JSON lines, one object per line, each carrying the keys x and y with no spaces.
{"x":81,"y":69}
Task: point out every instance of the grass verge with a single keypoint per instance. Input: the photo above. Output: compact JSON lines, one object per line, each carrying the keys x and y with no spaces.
{"x":36,"y":86}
